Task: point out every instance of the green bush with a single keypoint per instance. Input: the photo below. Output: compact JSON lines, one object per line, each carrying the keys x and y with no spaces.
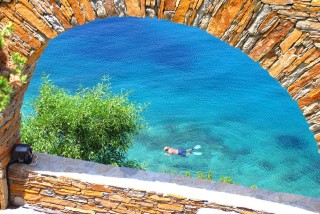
{"x":94,"y":124}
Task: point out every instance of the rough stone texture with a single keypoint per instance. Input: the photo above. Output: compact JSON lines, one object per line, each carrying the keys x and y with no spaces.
{"x":309,"y":25}
{"x":312,"y":96}
{"x":10,"y":132}
{"x":283,"y":35}
{"x":223,"y":18}
{"x":180,"y":14}
{"x":278,"y":2}
{"x":120,"y":7}
{"x":315,"y":3}
{"x":87,"y":10}
{"x":283,"y":62}
{"x":99,"y":9}
{"x":32,"y":19}
{"x":4,"y":191}
{"x":265,"y":45}
{"x":78,"y":14}
{"x":133,"y":7}
{"x":75,"y":186}
{"x":290,"y":40}
{"x":170,"y":5}
{"x":306,"y":79}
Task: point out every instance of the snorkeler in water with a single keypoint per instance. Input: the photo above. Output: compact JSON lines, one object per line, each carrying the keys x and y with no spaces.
{"x":181,"y":152}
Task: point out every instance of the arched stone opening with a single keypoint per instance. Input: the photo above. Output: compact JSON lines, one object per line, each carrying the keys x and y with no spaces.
{"x":283,"y":35}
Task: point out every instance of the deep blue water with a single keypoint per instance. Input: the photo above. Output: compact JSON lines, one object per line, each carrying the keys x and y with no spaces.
{"x":200,"y":91}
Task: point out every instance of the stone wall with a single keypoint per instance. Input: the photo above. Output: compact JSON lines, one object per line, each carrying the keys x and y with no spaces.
{"x":46,"y":192}
{"x":282,"y":35}
{"x":10,"y":132}
{"x":75,"y":186}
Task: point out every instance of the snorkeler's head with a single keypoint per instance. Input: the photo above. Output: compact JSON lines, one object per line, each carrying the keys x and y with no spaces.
{"x":166,"y":148}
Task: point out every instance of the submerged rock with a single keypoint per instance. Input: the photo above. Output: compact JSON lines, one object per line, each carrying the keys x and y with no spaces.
{"x":291,"y":177}
{"x":317,"y":179}
{"x":267,"y":165}
{"x":290,"y":142}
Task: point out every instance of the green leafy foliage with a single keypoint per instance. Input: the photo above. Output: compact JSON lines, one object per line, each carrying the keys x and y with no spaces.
{"x":18,"y":62}
{"x":200,"y":174}
{"x":24,"y":79}
{"x":5,"y":88}
{"x":209,"y":176}
{"x":94,"y":124}
{"x":5,"y":32}
{"x":5,"y":91}
{"x":226,"y":179}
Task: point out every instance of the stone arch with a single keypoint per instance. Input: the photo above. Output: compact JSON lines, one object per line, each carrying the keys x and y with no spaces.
{"x":283,"y":35}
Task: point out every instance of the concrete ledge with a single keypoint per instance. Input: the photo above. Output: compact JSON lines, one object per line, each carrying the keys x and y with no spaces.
{"x":212,"y":211}
{"x":217,"y":192}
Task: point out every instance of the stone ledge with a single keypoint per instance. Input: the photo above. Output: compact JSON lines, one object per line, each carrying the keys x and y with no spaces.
{"x":217,"y":192}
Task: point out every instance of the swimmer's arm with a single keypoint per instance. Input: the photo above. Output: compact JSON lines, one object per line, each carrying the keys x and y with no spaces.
{"x":167,"y":154}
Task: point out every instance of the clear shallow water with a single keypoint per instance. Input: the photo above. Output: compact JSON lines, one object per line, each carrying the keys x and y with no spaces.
{"x":201,"y":91}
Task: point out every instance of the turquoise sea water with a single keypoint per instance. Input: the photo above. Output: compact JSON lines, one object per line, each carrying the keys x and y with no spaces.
{"x":200,"y":91}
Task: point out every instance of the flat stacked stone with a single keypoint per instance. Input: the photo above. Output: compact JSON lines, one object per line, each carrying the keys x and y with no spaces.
{"x":76,"y":186}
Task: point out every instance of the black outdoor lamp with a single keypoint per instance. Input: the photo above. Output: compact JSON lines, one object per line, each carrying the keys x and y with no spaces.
{"x":22,"y":153}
